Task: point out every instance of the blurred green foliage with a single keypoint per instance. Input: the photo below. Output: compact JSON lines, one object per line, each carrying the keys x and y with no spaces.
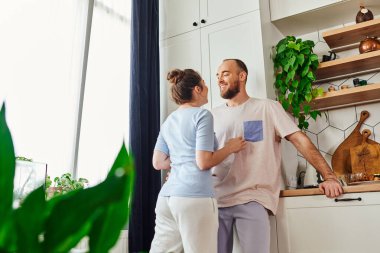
{"x":58,"y":224}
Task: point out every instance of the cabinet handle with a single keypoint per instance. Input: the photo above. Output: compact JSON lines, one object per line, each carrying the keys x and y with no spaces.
{"x":203,"y":21}
{"x":349,"y":199}
{"x":195,"y":24}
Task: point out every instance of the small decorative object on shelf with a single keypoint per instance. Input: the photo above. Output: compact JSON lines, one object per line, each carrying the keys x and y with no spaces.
{"x":344,"y":86}
{"x":369,"y":45}
{"x":331,"y":88}
{"x":330,"y":57}
{"x":363,"y":15}
{"x":359,"y":82}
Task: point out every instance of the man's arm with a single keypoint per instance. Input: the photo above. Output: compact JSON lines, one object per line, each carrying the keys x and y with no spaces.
{"x":331,"y":187}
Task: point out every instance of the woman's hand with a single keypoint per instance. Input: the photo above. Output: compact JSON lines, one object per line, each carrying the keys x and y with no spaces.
{"x":234,"y":145}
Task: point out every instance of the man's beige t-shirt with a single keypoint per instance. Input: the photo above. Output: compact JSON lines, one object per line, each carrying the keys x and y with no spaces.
{"x":254,"y":173}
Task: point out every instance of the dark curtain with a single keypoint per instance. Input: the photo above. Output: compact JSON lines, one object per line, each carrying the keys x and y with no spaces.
{"x":144,"y":120}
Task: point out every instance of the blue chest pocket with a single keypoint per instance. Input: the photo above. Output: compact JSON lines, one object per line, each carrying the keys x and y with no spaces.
{"x":253,"y":130}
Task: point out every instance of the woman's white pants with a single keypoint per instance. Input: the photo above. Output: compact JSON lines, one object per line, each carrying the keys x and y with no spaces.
{"x":185,"y":224}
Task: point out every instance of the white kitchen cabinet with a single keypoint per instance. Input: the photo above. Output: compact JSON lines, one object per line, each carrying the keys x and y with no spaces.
{"x":284,"y":8}
{"x":315,"y":224}
{"x":178,"y":16}
{"x":181,"y":16}
{"x":205,"y":48}
{"x":181,"y":52}
{"x":240,"y":38}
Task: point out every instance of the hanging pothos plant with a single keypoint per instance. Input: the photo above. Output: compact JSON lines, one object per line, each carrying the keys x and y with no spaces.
{"x":295,"y":64}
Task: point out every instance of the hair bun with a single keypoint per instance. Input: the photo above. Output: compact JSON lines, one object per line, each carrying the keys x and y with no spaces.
{"x":175,"y":76}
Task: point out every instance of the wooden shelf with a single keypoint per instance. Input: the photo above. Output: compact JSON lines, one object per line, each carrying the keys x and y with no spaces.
{"x":336,"y":14}
{"x":347,"y":97}
{"x":352,"y":34}
{"x":349,"y":66}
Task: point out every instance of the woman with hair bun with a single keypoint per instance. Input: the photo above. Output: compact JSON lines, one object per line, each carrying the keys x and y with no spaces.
{"x":186,"y":210}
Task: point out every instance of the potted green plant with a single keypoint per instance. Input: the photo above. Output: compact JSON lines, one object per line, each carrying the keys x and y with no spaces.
{"x":295,"y":65}
{"x":63,"y":184}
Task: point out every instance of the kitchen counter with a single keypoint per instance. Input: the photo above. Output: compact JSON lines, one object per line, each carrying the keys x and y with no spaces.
{"x":373,"y":187}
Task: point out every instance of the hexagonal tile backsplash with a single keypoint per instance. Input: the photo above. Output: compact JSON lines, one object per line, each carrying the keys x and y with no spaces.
{"x":331,"y":129}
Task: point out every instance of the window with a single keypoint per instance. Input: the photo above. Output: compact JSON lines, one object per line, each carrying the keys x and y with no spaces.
{"x":42,"y":54}
{"x":106,"y":98}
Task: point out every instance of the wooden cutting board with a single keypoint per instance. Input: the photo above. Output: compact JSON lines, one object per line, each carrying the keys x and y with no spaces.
{"x":341,"y":159}
{"x":365,"y":158}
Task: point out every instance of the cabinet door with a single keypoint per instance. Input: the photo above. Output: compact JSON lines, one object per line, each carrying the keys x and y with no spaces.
{"x":284,"y":8}
{"x":240,"y":38}
{"x":317,"y":224}
{"x":212,"y":11}
{"x":181,"y":52}
{"x":178,"y":16}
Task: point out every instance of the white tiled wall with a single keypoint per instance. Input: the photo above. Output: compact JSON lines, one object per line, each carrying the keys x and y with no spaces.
{"x":335,"y":125}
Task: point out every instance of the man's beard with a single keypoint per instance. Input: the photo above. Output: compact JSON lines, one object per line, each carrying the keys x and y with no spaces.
{"x":232,"y":91}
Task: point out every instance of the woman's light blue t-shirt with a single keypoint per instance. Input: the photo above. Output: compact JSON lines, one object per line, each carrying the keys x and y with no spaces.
{"x":184,"y":132}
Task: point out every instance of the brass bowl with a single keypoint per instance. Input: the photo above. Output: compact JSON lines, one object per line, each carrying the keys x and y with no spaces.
{"x":369,"y":45}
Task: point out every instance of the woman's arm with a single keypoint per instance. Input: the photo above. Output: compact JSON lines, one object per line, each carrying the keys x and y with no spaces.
{"x":161,"y":161}
{"x":206,"y":159}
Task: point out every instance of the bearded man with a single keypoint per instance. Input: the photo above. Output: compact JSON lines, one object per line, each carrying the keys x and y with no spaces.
{"x":247,"y":184}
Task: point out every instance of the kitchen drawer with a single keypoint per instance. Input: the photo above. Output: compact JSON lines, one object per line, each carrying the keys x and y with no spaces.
{"x":352,"y":199}
{"x":317,"y":224}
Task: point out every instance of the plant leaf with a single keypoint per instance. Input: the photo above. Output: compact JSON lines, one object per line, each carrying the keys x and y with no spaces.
{"x":306,"y":109}
{"x":7,"y":171}
{"x":308,"y":97}
{"x":300,"y":59}
{"x":305,"y":70}
{"x":314,"y":65}
{"x":314,"y":93}
{"x":296,"y":111}
{"x":320,"y":92}
{"x":108,"y":225}
{"x":286,"y":67}
{"x":278,"y":83}
{"x":294,"y":46}
{"x":281,"y":49}
{"x":314,"y":114}
{"x":295,"y":83}
{"x":306,"y":51}
{"x":285,"y":104}
{"x":292,"y":60}
{"x":8,"y":236}
{"x":290,"y":97}
{"x":291,"y":75}
{"x":283,"y":89}
{"x":311,"y":75}
{"x":309,"y":43}
{"x":313,"y":57}
{"x":77,"y":223}
{"x":30,"y":220}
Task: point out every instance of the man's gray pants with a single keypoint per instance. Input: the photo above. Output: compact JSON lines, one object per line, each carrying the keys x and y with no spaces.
{"x":252,"y":226}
